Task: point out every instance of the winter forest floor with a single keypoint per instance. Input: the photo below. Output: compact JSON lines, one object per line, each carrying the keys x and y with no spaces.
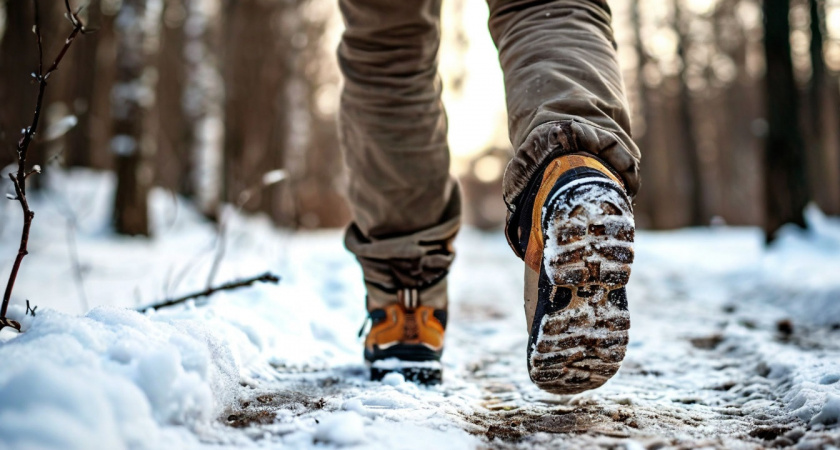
{"x":732,"y":345}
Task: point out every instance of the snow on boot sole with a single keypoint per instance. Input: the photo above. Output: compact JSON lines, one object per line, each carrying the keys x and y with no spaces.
{"x":579,"y":338}
{"x":421,"y":372}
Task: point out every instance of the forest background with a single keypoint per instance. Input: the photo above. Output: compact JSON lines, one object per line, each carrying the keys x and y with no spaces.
{"x":735,"y":105}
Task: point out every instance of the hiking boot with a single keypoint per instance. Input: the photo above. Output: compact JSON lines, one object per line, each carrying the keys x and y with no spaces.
{"x":406,"y":333}
{"x":573,"y":227}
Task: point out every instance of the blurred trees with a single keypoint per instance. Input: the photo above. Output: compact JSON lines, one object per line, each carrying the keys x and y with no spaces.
{"x":823,"y":108}
{"x":18,"y":59}
{"x":786,"y":188}
{"x":203,"y":97}
{"x":722,"y":120}
{"x":134,"y":132}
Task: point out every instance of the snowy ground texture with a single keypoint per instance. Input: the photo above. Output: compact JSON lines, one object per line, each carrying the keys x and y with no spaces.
{"x":732,"y":345}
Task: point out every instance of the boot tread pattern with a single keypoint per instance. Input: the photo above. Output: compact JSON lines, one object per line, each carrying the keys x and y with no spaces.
{"x":588,"y":249}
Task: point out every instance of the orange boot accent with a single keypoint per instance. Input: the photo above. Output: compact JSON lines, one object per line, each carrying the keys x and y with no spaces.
{"x":555,"y":169}
{"x":406,"y":326}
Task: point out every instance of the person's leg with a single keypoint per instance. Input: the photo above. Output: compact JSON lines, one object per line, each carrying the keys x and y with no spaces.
{"x":564,"y":88}
{"x":405,"y":205}
{"x":568,"y":186}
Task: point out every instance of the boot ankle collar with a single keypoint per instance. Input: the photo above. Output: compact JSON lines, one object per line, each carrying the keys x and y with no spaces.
{"x":434,"y":296}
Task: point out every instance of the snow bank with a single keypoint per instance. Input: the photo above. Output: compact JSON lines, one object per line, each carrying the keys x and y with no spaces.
{"x":112,"y":379}
{"x":801,"y":271}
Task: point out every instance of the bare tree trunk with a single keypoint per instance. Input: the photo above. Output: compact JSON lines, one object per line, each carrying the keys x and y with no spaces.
{"x":742,"y":184}
{"x":133,"y":142}
{"x":253,"y":83}
{"x":698,"y":208}
{"x":171,"y":160}
{"x":101,"y":128}
{"x":823,"y":169}
{"x":831,"y":142}
{"x":203,"y":103}
{"x":77,"y":86}
{"x":738,"y":189}
{"x":18,"y":57}
{"x":785,"y":184}
{"x":311,"y":196}
{"x":644,"y":208}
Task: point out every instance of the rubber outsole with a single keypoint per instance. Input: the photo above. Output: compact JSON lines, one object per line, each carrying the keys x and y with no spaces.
{"x":588,"y":253}
{"x":422,"y":374}
{"x":403,"y":352}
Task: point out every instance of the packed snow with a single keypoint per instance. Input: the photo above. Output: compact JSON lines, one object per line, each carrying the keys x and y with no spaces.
{"x":732,"y":344}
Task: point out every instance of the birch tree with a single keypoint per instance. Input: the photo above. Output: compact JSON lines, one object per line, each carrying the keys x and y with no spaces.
{"x":132,"y":97}
{"x":203,"y":102}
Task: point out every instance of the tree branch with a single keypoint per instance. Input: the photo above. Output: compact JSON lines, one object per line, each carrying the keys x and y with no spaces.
{"x":267,"y":277}
{"x":4,"y":322}
{"x":19,"y":179}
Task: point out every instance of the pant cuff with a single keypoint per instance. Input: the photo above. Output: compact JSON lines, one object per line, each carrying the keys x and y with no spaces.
{"x":552,"y":139}
{"x":414,"y":260}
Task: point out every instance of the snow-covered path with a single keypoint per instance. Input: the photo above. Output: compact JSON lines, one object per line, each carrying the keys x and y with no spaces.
{"x":708,"y":364}
{"x":731,"y":345}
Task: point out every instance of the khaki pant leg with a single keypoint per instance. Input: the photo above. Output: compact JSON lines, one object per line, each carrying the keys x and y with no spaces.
{"x":564,"y":89}
{"x":405,"y":205}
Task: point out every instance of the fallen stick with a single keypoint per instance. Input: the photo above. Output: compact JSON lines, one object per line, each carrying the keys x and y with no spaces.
{"x":267,"y":277}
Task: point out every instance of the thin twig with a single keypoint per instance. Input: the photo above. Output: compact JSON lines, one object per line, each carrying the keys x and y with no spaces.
{"x":19,"y":179}
{"x":30,"y":310}
{"x":267,"y":277}
{"x":268,"y":179}
{"x":28,"y":215}
{"x":221,"y":246}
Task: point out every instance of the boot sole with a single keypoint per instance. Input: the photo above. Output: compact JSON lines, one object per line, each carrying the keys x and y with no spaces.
{"x":420,"y":372}
{"x":588,"y":251}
